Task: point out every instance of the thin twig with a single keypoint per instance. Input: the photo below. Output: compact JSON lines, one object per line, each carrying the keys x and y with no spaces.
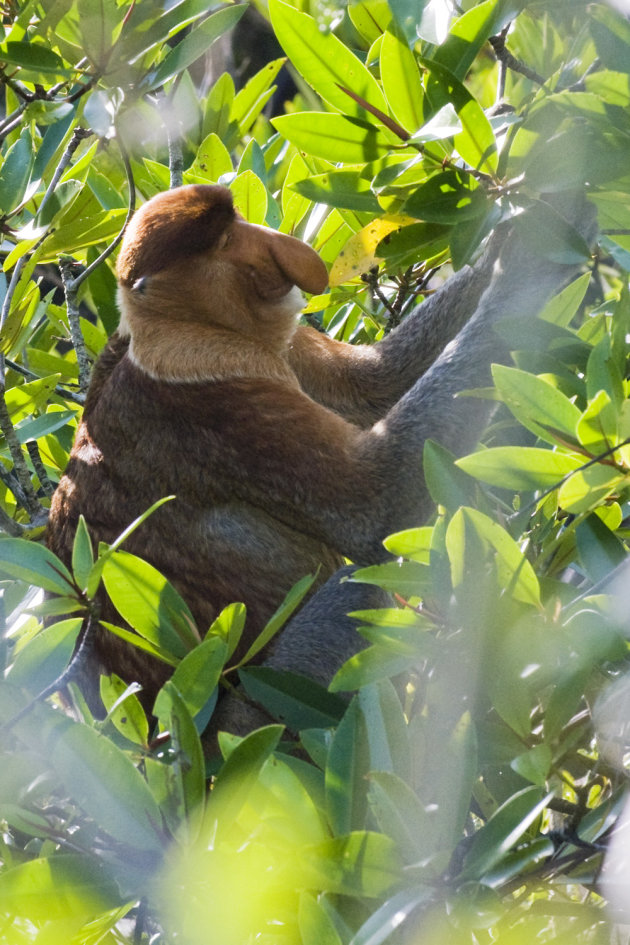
{"x":503,"y":70}
{"x":504,"y":56}
{"x":86,"y":643}
{"x":38,"y":466}
{"x":67,"y":266}
{"x":131,"y":206}
{"x":70,"y":395}
{"x":9,"y":479}
{"x":29,"y":499}
{"x":11,"y":121}
{"x":174,"y":137}
{"x":11,"y":527}
{"x":78,"y":136}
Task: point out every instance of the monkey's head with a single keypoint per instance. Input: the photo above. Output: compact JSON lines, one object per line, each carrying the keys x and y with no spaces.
{"x":189,"y":257}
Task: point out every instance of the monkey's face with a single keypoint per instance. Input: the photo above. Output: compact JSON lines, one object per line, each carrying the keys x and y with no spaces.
{"x":188,"y":256}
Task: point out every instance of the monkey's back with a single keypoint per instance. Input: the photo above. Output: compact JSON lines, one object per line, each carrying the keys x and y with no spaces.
{"x":141,"y":439}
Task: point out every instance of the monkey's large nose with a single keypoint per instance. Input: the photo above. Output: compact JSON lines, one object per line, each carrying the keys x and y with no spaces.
{"x":298,"y":262}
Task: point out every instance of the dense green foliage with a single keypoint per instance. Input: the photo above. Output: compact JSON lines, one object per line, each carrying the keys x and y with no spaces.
{"x":469,"y":790}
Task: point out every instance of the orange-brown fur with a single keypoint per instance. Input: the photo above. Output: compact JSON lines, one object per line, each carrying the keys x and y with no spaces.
{"x":285,"y":450}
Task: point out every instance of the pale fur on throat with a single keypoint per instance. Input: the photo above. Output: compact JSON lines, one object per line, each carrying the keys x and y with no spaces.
{"x":190,"y":352}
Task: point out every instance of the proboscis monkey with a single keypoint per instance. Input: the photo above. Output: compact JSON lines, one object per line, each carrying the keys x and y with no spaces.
{"x":285,"y":450}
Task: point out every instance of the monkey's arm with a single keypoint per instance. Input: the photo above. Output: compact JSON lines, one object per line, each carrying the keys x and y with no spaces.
{"x":348,"y":486}
{"x":361,"y":382}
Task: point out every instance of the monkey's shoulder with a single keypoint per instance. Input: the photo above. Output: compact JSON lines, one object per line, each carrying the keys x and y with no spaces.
{"x":227,"y":407}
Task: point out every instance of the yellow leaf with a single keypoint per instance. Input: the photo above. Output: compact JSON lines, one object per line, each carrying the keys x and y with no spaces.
{"x":357,"y":256}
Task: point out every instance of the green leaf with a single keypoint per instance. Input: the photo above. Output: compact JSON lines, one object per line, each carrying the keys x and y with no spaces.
{"x":373,"y":665}
{"x":347,"y":765}
{"x":213,"y":159}
{"x":563,"y":307}
{"x":218,"y":110}
{"x":195,"y":44}
{"x":143,"y":32}
{"x":46,"y":656}
{"x":502,"y":831}
{"x":288,"y":606}
{"x":588,"y":487}
{"x":612,"y":87}
{"x":75,"y":235}
{"x":27,"y":561}
{"x":31,"y":430}
{"x":515,"y":572}
{"x":237,"y":778}
{"x":198,"y":674}
{"x":534,"y":765}
{"x":412,"y":543}
{"x":333,"y":137}
{"x":384,"y":921}
{"x":184,"y":804}
{"x":315,"y":925}
{"x":348,"y":189}
{"x":294,"y":700}
{"x":105,"y":784}
{"x":536,"y":403}
{"x":386,"y":728}
{"x":229,"y":625}
{"x":149,"y":603}
{"x":448,"y":197}
{"x":446,"y":483}
{"x":599,"y":548}
{"x":82,"y":554}
{"x":370,"y":18}
{"x":469,"y":33}
{"x":401,"y":815}
{"x":253,"y":97}
{"x":130,"y":529}
{"x":360,"y":864}
{"x":401,"y":82}
{"x":413,"y":243}
{"x":603,"y":374}
{"x":16,"y":171}
{"x":124,"y":709}
{"x":546,"y":233}
{"x":523,"y":468}
{"x":407,"y":578}
{"x":611,"y":33}
{"x":97,"y":20}
{"x":33,"y":56}
{"x":250,"y":197}
{"x":597,"y":427}
{"x":324,"y":61}
{"x":467,"y":237}
{"x":62,"y":886}
{"x":140,"y":643}
{"x":565,"y":701}
{"x":475,"y":143}
{"x":27,"y":398}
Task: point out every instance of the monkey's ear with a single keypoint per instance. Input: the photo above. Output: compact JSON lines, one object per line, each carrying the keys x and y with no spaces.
{"x":300,"y":264}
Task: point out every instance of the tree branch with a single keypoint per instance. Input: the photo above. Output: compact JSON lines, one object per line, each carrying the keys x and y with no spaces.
{"x":509,"y":61}
{"x":37,"y":513}
{"x":78,"y":136}
{"x":38,"y":466}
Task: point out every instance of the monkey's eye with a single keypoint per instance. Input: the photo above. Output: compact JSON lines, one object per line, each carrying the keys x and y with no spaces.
{"x":140,"y":285}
